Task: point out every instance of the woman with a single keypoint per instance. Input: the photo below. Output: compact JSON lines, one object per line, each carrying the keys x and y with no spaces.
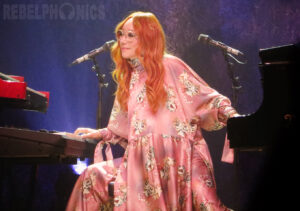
{"x":160,"y":106}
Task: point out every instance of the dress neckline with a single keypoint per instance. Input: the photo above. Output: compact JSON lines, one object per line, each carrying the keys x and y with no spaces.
{"x":136,"y":64}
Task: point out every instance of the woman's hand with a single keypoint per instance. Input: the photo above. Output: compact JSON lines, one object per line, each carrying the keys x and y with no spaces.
{"x":88,"y":133}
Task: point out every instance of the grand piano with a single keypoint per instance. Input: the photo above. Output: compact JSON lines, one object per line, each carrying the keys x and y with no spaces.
{"x":265,"y":142}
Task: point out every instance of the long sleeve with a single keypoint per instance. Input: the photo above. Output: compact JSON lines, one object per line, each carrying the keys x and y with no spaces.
{"x":203,"y":106}
{"x":118,"y":121}
{"x":115,"y":133}
{"x":215,"y":113}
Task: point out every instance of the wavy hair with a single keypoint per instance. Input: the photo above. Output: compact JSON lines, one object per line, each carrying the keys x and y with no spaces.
{"x":150,"y":52}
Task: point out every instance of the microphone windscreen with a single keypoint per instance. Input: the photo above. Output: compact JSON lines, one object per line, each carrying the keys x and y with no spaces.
{"x":204,"y":38}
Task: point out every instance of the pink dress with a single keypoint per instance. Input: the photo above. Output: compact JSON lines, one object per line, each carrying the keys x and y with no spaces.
{"x":166,"y":165}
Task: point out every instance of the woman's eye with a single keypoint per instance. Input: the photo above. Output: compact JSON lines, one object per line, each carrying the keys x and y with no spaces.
{"x":131,"y":34}
{"x":119,"y":33}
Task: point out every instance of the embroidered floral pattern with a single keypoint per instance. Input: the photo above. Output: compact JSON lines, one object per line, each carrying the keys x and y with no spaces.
{"x":190,"y":88}
{"x":88,"y":183}
{"x":216,"y":103}
{"x":209,"y":183}
{"x":183,"y":128}
{"x":171,"y":105}
{"x":86,"y":186}
{"x":181,"y":170}
{"x":144,"y":140}
{"x":134,"y":78}
{"x":183,"y":174}
{"x":164,"y":172}
{"x":141,"y":141}
{"x":136,"y":64}
{"x":139,"y":126}
{"x":107,"y":206}
{"x":151,"y":190}
{"x":120,"y":199}
{"x":140,"y":97}
{"x":217,"y":126}
{"x":149,"y":165}
{"x":203,"y":207}
{"x":225,"y":111}
{"x":208,"y":179}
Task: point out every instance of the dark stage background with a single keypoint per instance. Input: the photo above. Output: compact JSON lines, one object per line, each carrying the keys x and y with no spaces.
{"x":40,"y":43}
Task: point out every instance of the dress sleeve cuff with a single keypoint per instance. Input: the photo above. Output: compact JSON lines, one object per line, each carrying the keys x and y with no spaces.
{"x":105,"y":134}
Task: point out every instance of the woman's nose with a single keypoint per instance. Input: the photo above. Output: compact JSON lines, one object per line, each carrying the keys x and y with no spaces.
{"x":123,"y":39}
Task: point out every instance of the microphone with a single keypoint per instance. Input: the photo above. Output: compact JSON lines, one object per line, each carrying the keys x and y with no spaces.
{"x":207,"y":40}
{"x":105,"y":47}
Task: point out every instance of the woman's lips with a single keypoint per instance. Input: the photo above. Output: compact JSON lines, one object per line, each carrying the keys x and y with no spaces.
{"x":123,"y":48}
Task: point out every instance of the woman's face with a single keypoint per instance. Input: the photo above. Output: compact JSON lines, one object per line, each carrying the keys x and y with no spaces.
{"x":128,"y":40}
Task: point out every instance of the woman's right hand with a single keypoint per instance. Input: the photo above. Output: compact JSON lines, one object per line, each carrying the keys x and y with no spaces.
{"x":88,"y":133}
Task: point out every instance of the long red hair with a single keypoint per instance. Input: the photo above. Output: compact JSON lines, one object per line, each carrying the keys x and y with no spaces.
{"x":150,"y":51}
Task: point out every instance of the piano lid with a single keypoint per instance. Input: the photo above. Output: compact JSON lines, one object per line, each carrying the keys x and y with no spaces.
{"x":279,"y":55}
{"x":276,"y":117}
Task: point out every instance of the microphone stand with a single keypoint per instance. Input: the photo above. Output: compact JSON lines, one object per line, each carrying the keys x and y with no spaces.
{"x":235,"y":89}
{"x":234,"y":79}
{"x":100,"y":77}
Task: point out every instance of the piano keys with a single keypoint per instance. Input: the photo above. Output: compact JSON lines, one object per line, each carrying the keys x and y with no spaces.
{"x":275,"y":120}
{"x":29,"y":146}
{"x":14,"y":93}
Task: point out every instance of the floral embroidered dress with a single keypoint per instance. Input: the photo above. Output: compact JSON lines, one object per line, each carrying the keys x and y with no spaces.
{"x":166,"y":165}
